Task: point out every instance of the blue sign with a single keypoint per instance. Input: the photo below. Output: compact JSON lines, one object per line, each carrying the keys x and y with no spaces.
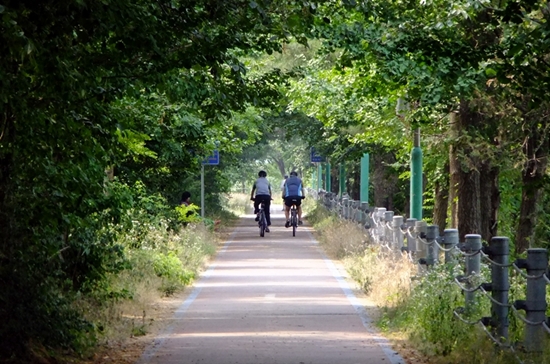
{"x":316,"y":157}
{"x":212,"y":160}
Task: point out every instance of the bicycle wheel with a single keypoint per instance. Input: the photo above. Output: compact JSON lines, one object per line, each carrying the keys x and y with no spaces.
{"x":262,"y":224}
{"x":294,"y":222}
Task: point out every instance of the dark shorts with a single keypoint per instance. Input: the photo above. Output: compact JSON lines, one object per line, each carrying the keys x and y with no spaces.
{"x":290,"y":200}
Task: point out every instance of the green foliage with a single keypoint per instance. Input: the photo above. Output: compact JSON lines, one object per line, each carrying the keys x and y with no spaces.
{"x":169,"y":268}
{"x":188,"y":213}
{"x":146,"y":89}
{"x":136,"y":87}
{"x":429,"y":312}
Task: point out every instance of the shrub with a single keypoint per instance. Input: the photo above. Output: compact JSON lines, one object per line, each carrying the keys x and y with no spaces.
{"x":170,"y":268}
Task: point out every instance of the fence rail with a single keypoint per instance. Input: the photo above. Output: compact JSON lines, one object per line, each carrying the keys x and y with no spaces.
{"x":424,"y":246}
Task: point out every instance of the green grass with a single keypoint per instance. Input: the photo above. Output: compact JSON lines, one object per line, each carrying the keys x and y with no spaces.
{"x":418,"y":308}
{"x":159,"y":263}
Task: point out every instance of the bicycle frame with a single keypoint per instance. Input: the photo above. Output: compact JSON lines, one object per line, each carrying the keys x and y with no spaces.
{"x":262,"y":222}
{"x":294,"y":217}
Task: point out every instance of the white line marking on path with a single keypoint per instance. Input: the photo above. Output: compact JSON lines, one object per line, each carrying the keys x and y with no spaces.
{"x":384,"y":344}
{"x":158,"y":342}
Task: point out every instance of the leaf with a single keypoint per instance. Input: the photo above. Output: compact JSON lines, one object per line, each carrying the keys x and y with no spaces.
{"x":489,"y":72}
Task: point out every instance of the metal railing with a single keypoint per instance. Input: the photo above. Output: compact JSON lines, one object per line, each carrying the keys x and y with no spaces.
{"x":424,"y":245}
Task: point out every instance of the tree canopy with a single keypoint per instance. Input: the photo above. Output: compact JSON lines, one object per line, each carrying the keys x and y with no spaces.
{"x":108,"y":107}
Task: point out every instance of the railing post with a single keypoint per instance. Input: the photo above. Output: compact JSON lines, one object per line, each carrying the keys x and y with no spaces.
{"x":358,"y":214}
{"x":345,"y":202}
{"x":380,"y":232}
{"x":388,"y":233}
{"x":472,"y":247}
{"x":450,"y":241}
{"x":432,"y":257}
{"x":420,"y":228}
{"x":364,"y":212}
{"x":397,"y":233}
{"x":411,"y":240}
{"x":499,"y":253}
{"x":535,"y":304}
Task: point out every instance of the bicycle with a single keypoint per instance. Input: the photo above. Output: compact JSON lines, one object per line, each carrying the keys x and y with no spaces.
{"x":294,"y":217}
{"x":262,"y":221}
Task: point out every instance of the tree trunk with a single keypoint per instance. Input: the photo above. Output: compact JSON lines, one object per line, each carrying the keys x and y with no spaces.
{"x":441,"y":203}
{"x":454,"y":168}
{"x":489,"y":200}
{"x":7,"y":136}
{"x":280,"y":164}
{"x":354,"y":180}
{"x":465,"y":172}
{"x":385,"y":182}
{"x":535,"y":149}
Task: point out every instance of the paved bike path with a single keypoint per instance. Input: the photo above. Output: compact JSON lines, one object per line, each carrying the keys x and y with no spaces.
{"x":271,"y":300}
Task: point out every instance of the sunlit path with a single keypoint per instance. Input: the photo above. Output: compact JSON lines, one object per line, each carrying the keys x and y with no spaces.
{"x":270,"y":300}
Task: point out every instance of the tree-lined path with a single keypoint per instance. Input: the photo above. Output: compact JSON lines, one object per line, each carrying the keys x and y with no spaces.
{"x":268,"y":300}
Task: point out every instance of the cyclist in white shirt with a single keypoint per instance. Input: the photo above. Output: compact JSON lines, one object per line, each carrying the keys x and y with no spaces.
{"x":263,"y":194}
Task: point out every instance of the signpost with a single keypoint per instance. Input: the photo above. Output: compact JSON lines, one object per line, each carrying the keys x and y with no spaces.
{"x":315,"y":157}
{"x":211,"y":160}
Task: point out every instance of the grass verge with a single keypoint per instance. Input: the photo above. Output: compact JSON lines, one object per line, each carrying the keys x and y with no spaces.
{"x":416,"y":307}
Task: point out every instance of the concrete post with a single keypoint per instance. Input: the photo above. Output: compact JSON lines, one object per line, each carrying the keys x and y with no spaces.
{"x":450,"y":241}
{"x":358,"y":216}
{"x":499,"y":252}
{"x":432,"y":256}
{"x":398,"y":234}
{"x":411,"y":241}
{"x":364,"y":213}
{"x":420,"y":228}
{"x":388,"y":233}
{"x":381,"y":213}
{"x":345,"y":207}
{"x":535,"y":304}
{"x":472,"y":245}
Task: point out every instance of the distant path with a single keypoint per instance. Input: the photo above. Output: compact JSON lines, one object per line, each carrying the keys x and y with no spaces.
{"x":270,"y":300}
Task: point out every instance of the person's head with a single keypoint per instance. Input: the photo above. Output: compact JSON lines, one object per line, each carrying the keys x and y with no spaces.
{"x":293,"y":174}
{"x":262,"y":174}
{"x":286,"y":176}
{"x":185,"y":197}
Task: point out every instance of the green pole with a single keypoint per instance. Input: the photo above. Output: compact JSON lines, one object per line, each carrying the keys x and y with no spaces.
{"x":416,"y":178}
{"x":364,"y":195}
{"x":314,"y":180}
{"x":327,"y":178}
{"x":319,"y":177}
{"x":342,"y":179}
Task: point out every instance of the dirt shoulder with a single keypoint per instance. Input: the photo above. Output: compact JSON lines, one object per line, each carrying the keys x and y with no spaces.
{"x":161,"y":314}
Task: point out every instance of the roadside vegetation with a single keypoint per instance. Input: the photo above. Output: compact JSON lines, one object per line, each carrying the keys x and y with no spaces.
{"x":415,"y":306}
{"x":108,"y":110}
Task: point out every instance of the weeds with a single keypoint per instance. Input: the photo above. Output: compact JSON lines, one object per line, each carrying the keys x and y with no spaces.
{"x":161,"y":263}
{"x":416,"y":303}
